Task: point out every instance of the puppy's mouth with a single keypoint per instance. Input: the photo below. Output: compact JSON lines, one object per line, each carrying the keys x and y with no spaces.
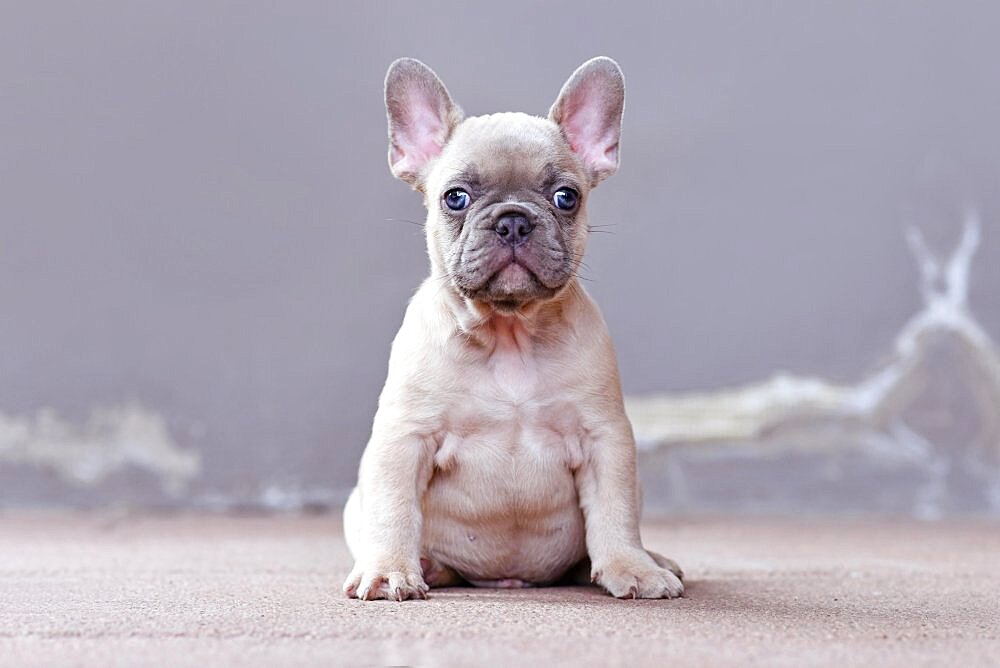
{"x":511,"y":286}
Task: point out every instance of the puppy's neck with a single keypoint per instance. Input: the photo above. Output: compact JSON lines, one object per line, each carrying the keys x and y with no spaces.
{"x":484,"y":326}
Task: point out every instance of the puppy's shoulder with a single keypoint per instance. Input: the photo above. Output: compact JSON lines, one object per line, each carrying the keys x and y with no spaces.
{"x":428,"y":317}
{"x":425,"y":331}
{"x":584,"y":318}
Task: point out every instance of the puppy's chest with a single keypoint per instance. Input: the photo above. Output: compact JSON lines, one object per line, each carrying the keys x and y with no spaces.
{"x":512,"y":413}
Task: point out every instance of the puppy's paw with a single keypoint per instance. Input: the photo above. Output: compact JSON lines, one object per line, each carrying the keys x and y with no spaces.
{"x":393,"y":581}
{"x":637,"y":575}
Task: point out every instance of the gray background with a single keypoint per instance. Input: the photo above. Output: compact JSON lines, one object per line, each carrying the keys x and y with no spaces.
{"x":195,"y":204}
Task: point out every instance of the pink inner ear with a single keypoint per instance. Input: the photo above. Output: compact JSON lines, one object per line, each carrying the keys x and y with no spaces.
{"x":585,"y":122}
{"x":420,"y":137}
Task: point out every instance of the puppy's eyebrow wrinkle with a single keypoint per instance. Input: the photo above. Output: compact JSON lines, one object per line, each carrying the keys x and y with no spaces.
{"x":549,"y":176}
{"x":552,"y":175}
{"x":468,"y":176}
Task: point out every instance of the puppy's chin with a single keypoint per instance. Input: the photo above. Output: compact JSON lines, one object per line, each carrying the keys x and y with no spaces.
{"x":512,"y":288}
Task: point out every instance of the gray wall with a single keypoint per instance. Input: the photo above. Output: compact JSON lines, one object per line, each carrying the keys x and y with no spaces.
{"x":196,"y":215}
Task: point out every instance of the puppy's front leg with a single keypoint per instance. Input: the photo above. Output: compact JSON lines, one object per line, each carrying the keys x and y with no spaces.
{"x":608,"y":492}
{"x":394,"y":473}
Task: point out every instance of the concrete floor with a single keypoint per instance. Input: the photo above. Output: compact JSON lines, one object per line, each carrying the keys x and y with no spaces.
{"x":102,"y":590}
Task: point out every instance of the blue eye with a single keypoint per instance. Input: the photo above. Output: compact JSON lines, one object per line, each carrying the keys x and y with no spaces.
{"x":457,"y":199}
{"x":565,"y":199}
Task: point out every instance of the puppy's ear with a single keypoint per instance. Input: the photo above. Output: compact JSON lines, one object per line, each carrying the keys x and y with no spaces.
{"x":421,"y":118}
{"x":589,"y":111}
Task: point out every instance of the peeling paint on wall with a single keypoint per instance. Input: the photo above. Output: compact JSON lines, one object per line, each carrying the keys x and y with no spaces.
{"x":275,"y":497}
{"x":790,"y":416}
{"x":110,"y":440}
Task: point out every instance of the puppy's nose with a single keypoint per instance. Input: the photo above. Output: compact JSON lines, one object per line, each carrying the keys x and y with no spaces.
{"x":513,"y":228}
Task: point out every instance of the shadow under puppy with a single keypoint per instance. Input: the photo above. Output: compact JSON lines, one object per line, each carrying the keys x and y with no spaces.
{"x":500,"y":454}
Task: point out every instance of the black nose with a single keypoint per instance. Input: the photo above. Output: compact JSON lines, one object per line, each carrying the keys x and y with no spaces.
{"x":513,"y":228}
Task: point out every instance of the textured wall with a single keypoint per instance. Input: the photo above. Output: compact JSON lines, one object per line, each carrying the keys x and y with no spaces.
{"x":202,"y":264}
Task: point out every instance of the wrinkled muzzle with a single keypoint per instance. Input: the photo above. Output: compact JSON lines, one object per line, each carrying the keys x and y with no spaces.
{"x":511,"y":254}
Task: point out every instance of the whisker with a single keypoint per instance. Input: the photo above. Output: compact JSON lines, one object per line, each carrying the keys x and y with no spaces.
{"x":404,"y":220}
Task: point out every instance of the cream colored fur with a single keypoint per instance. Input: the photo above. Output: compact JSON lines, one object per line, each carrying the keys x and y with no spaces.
{"x":500,"y":453}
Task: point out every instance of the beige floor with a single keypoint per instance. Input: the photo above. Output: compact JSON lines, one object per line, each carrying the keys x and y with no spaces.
{"x":98,"y":590}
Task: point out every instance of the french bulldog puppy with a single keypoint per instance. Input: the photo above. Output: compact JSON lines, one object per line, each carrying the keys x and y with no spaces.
{"x":500,"y":454}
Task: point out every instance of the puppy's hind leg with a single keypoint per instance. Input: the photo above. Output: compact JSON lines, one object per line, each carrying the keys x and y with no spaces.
{"x":437,"y":574}
{"x":506,"y":583}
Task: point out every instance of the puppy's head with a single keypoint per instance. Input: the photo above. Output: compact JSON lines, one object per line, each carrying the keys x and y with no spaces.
{"x":506,"y":193}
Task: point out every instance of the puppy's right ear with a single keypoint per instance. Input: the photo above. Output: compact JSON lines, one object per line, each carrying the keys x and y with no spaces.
{"x":421,"y":118}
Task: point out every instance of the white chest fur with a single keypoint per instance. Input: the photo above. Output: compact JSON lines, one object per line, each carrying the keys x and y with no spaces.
{"x":503,"y":476}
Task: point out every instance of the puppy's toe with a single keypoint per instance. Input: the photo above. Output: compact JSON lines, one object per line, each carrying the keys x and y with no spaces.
{"x":401,"y":586}
{"x":416,"y":583}
{"x":660,"y":584}
{"x":351,"y":584}
{"x":619,"y":584}
{"x":668,"y":563}
{"x":372,"y":587}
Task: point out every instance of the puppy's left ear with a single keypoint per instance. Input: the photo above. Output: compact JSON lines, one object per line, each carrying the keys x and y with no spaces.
{"x":589,"y":111}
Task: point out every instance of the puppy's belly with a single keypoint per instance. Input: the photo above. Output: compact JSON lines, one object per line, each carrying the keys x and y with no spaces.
{"x":504,"y":514}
